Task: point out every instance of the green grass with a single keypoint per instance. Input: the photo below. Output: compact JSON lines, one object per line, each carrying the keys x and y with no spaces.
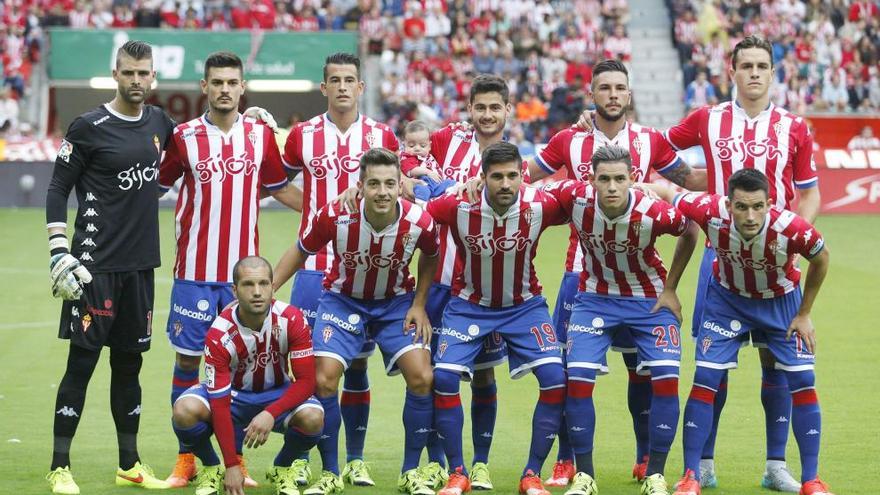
{"x":32,"y":362}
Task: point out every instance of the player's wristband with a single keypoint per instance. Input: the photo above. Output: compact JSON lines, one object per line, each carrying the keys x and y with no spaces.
{"x":58,"y":244}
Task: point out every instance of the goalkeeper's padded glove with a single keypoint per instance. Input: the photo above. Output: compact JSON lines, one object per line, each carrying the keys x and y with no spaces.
{"x":262,"y":115}
{"x":66,"y":272}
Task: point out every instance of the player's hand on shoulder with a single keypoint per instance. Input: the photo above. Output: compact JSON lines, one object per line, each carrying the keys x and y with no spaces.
{"x":471,"y":190}
{"x":257,"y":432}
{"x":349,"y":199}
{"x":585,"y":121}
{"x":646,"y":190}
{"x":68,"y":276}
{"x":263,"y":116}
{"x":669,"y":299}
{"x":803,"y":326}
{"x":461,"y":125}
{"x":233,"y":481}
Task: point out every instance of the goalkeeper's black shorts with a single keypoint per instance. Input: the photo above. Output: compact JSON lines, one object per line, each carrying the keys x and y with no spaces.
{"x":115,"y":310}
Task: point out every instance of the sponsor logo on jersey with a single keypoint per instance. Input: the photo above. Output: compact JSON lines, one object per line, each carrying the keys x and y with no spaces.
{"x":339,"y":322}
{"x":99,"y":312}
{"x":195,"y":315}
{"x":488,"y":244}
{"x":455,"y":333}
{"x":735,"y":258}
{"x":332,"y":166}
{"x":217,"y":169}
{"x":86,"y":322}
{"x":101,"y":120}
{"x":730,"y":146}
{"x":573,"y":327}
{"x":65,"y":150}
{"x":714,"y":327}
{"x":597,"y":243}
{"x":301,"y":353}
{"x":137,"y":176}
{"x":363,"y":259}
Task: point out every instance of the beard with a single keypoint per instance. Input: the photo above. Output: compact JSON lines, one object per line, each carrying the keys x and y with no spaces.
{"x":607,"y":116}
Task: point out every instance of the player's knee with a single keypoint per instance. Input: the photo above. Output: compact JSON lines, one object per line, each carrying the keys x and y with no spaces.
{"x":550,"y":375}
{"x":766,"y":357}
{"x":708,"y":377}
{"x":187,"y":411}
{"x":327,"y":374}
{"x":582,"y":374}
{"x":188,"y":363}
{"x":357,"y":365}
{"x":483,"y":378}
{"x":125,"y":363}
{"x":446,"y":381}
{"x":420,"y":381}
{"x":81,"y":363}
{"x":800,"y":380}
{"x":309,"y":420}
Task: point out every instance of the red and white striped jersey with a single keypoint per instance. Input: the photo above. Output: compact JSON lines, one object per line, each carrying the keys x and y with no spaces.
{"x":254,"y":360}
{"x":495,"y":252}
{"x":619,"y":254}
{"x":775,"y":142}
{"x":218,"y":204}
{"x":330,"y":160}
{"x":369,"y":264}
{"x":573,"y":149}
{"x":760,"y":268}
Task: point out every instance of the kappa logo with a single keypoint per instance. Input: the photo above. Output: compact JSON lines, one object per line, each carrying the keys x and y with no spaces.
{"x":782,"y":419}
{"x":90,"y":197}
{"x":88,"y":242}
{"x":361,"y":428}
{"x":486,"y":434}
{"x":422,"y":430}
{"x":90,"y":212}
{"x":663,"y":426}
{"x":577,"y":428}
{"x":67,"y":411}
{"x":136,"y":411}
{"x":101,"y":120}
{"x":86,"y":257}
{"x":91,"y":228}
{"x":690,"y":424}
{"x":813,"y":432}
{"x":551,"y":436}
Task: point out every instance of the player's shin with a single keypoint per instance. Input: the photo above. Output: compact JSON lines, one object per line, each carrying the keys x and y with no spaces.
{"x":418,"y":414}
{"x":328,"y":445}
{"x":806,"y":420}
{"x":484,"y":410}
{"x":664,"y":416}
{"x":197,"y":439}
{"x":449,"y":416}
{"x":638,"y":398}
{"x":718,"y":406}
{"x":296,"y":441}
{"x":776,"y":399}
{"x":125,"y":403}
{"x":698,"y":415}
{"x":70,"y":400}
{"x":355,"y":409}
{"x":580,"y":414}
{"x":548,"y":413}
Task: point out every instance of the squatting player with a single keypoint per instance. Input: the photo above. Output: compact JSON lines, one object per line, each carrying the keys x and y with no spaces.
{"x":369,"y":294}
{"x":624,"y":287}
{"x":496,"y":294}
{"x":111,"y":154}
{"x":227,"y":161}
{"x":755,"y":284}
{"x":572,"y":149}
{"x":247,"y":352}
{"x":326,"y":150}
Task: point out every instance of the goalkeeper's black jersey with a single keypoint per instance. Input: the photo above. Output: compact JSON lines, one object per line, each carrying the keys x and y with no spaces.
{"x":113,"y":161}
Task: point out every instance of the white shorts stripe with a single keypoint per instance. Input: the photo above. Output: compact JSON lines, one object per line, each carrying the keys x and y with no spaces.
{"x":716,"y":366}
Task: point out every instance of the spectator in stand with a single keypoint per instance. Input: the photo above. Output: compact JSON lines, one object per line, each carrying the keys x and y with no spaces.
{"x":8,"y":112}
{"x":834,"y":95}
{"x":866,"y":140}
{"x":700,"y":93}
{"x":530,"y":109}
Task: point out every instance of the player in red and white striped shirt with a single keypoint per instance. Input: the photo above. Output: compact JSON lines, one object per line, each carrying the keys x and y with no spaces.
{"x":227,"y":161}
{"x":247,"y":352}
{"x":369,"y":294}
{"x":326,"y":150}
{"x":496,"y":292}
{"x":572,"y":150}
{"x":622,"y":287}
{"x":755,"y":287}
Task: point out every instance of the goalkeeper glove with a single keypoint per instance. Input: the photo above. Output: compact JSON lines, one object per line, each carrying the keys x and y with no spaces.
{"x":66,"y":272}
{"x":262,"y":115}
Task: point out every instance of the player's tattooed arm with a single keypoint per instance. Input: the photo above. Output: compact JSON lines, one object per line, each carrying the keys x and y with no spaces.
{"x":689,"y":178}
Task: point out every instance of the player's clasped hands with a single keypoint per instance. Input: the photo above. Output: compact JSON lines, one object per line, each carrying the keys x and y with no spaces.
{"x":803,"y":326}
{"x":257,"y":432}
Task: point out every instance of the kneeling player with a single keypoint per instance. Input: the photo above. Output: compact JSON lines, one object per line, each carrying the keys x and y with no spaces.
{"x":755,"y":288}
{"x":369,"y":293}
{"x":246,"y":354}
{"x":623,"y":288}
{"x":496,"y":292}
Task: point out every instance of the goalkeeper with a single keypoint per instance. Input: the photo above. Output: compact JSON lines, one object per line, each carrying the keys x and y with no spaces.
{"x":111,"y":155}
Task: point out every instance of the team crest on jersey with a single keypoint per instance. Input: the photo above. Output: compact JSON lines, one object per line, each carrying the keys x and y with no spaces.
{"x":773,"y":245}
{"x":276,"y":332}
{"x":706,"y":344}
{"x":86,"y":322}
{"x":528,"y":213}
{"x":252,"y":137}
{"x":157,"y":144}
{"x":327,"y":333}
{"x":441,"y":348}
{"x":636,"y":226}
{"x":178,"y":328}
{"x":777,"y":129}
{"x":65,"y":150}
{"x":405,"y":239}
{"x":568,"y":343}
{"x":637,"y":146}
{"x":371,"y":140}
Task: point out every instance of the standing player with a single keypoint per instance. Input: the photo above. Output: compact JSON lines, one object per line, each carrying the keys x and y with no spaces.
{"x":227,"y":160}
{"x":111,"y":154}
{"x":623,"y":288}
{"x":755,"y":285}
{"x":496,"y":294}
{"x":369,"y":294}
{"x":572,"y":149}
{"x":752,"y":132}
{"x":247,"y":351}
{"x":326,"y":150}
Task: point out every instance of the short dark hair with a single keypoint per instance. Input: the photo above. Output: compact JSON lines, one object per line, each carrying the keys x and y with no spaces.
{"x":249,"y":262}
{"x":502,"y":152}
{"x":748,"y":180}
{"x":489,"y":83}
{"x":135,"y":49}
{"x":610,"y":65}
{"x":343,"y":58}
{"x":223,"y":59}
{"x":378,"y":156}
{"x":416,"y":126}
{"x":611,"y":154}
{"x":752,"y":41}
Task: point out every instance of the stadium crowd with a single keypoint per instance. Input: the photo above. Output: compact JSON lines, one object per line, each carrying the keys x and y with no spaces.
{"x":825,"y":52}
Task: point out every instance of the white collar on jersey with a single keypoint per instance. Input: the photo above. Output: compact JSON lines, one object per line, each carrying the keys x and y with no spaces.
{"x":391,"y":226}
{"x":208,"y":123}
{"x":121,"y":116}
{"x":740,"y":112}
{"x":621,"y":139}
{"x":342,"y":136}
{"x":267,"y":322}
{"x":623,"y":216}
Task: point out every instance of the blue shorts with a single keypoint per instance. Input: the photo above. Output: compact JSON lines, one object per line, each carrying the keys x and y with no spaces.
{"x":622,"y":341}
{"x":432,"y":189}
{"x":345,"y":323}
{"x":525,"y":328}
{"x":494,"y":351}
{"x":727,"y":316}
{"x":308,"y":286}
{"x":246,"y":405}
{"x":596,"y":319}
{"x":194,"y":305}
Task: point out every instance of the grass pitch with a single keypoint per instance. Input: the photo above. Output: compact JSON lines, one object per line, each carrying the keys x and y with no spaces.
{"x":32,"y":362}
